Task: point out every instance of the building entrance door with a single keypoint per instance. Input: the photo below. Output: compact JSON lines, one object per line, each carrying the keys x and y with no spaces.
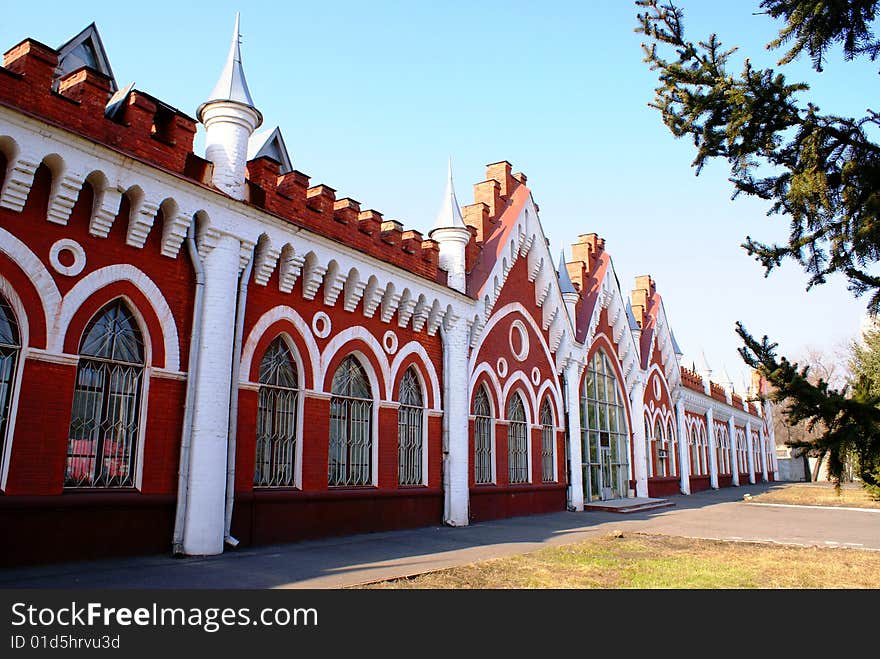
{"x":608,"y":472}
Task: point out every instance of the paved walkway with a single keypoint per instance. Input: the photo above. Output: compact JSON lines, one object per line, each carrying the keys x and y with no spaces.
{"x":350,"y":560}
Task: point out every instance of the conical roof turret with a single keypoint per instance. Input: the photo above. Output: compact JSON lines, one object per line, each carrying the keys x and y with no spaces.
{"x":232,"y":85}
{"x":565,"y":285}
{"x":449,"y":216}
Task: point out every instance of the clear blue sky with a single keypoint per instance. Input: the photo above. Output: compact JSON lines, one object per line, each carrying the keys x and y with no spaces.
{"x":372,"y":97}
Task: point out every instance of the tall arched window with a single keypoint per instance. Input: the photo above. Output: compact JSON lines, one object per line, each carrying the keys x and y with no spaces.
{"x":723,"y":449}
{"x":693,"y":451}
{"x":102,"y":442}
{"x":410,"y":422}
{"x":672,"y":460}
{"x":517,"y":441}
{"x":604,"y":431}
{"x":482,"y":437}
{"x":351,"y":426}
{"x":659,"y":445}
{"x":10,"y":344}
{"x":756,"y":451}
{"x":548,"y":443}
{"x":704,"y":451}
{"x":276,"y":418}
{"x":742,"y":452}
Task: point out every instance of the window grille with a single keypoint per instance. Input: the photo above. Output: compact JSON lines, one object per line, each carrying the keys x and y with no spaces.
{"x":276,"y":418}
{"x":672,"y":460}
{"x":548,"y":443}
{"x":482,"y":437}
{"x":603,"y":429}
{"x":10,"y":344}
{"x":102,"y":442}
{"x":649,"y":447}
{"x":659,"y":444}
{"x":517,"y":441}
{"x":351,"y":426}
{"x":410,"y":419}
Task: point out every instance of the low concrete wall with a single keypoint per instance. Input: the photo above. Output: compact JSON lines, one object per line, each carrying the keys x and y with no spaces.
{"x":791,"y":469}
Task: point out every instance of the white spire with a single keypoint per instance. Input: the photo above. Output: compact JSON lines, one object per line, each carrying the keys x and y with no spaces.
{"x":703,"y":364}
{"x":565,"y":285}
{"x":450,"y":213}
{"x":232,"y":85}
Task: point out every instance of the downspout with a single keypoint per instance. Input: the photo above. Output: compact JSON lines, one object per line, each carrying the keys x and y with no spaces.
{"x":567,"y":442}
{"x":243,"y":280}
{"x":192,"y":369}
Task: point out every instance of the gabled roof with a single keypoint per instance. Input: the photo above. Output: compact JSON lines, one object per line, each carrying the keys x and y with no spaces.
{"x":85,"y":49}
{"x":270,"y":144}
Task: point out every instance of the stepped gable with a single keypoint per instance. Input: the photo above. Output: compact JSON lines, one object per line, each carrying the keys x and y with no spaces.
{"x":587,"y":270}
{"x":498,"y":202}
{"x":155,"y":133}
{"x":654,"y":332}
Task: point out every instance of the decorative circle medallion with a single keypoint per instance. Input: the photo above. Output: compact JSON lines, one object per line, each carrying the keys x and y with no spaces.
{"x":70,"y":252}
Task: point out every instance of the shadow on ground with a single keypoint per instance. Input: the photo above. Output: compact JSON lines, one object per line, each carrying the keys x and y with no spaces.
{"x":335,"y":562}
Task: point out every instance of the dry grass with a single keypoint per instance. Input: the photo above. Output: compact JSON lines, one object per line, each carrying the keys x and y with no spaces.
{"x":818,"y":494}
{"x":653,"y":561}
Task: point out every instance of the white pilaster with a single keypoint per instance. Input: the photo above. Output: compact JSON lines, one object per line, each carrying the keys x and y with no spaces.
{"x":684,"y":460}
{"x":713,"y":451}
{"x":751,"y":452}
{"x":640,"y":466}
{"x":204,"y":524}
{"x":575,"y":455}
{"x":456,"y":457}
{"x":763,"y":440}
{"x":734,"y":455}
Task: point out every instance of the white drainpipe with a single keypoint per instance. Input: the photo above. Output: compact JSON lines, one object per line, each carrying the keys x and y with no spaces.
{"x":233,"y":401}
{"x":192,"y":369}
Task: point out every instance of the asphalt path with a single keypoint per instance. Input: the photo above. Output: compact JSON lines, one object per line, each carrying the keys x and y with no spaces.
{"x":351,"y":560}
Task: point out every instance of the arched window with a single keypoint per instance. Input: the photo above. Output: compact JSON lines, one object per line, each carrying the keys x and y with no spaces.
{"x":649,"y":447}
{"x":10,"y":344}
{"x":704,"y":452}
{"x":276,"y":418}
{"x":410,"y":422}
{"x":102,"y":442}
{"x":351,"y":426}
{"x":659,"y":445}
{"x":672,"y":460}
{"x":693,"y":451}
{"x":548,"y":443}
{"x":517,"y":441}
{"x":742,"y":452}
{"x":604,"y":431}
{"x":723,"y":449}
{"x":482,"y":437}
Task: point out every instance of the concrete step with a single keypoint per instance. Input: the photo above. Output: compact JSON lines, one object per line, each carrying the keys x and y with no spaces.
{"x":626,"y":506}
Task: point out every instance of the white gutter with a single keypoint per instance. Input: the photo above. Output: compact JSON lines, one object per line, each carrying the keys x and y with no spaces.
{"x":192,"y":369}
{"x":243,"y":280}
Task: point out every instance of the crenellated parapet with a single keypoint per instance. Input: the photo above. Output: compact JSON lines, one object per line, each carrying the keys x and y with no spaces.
{"x":154,"y":133}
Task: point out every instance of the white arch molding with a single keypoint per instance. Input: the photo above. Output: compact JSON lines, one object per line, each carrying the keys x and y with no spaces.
{"x":416,"y":348}
{"x":18,"y":310}
{"x":102,"y":278}
{"x":39,"y":276}
{"x":493,"y":380}
{"x":281,"y":312}
{"x":337,"y":343}
{"x":531,"y":402}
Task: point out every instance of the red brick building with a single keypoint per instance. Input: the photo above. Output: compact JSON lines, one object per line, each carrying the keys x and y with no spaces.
{"x":207,"y":350}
